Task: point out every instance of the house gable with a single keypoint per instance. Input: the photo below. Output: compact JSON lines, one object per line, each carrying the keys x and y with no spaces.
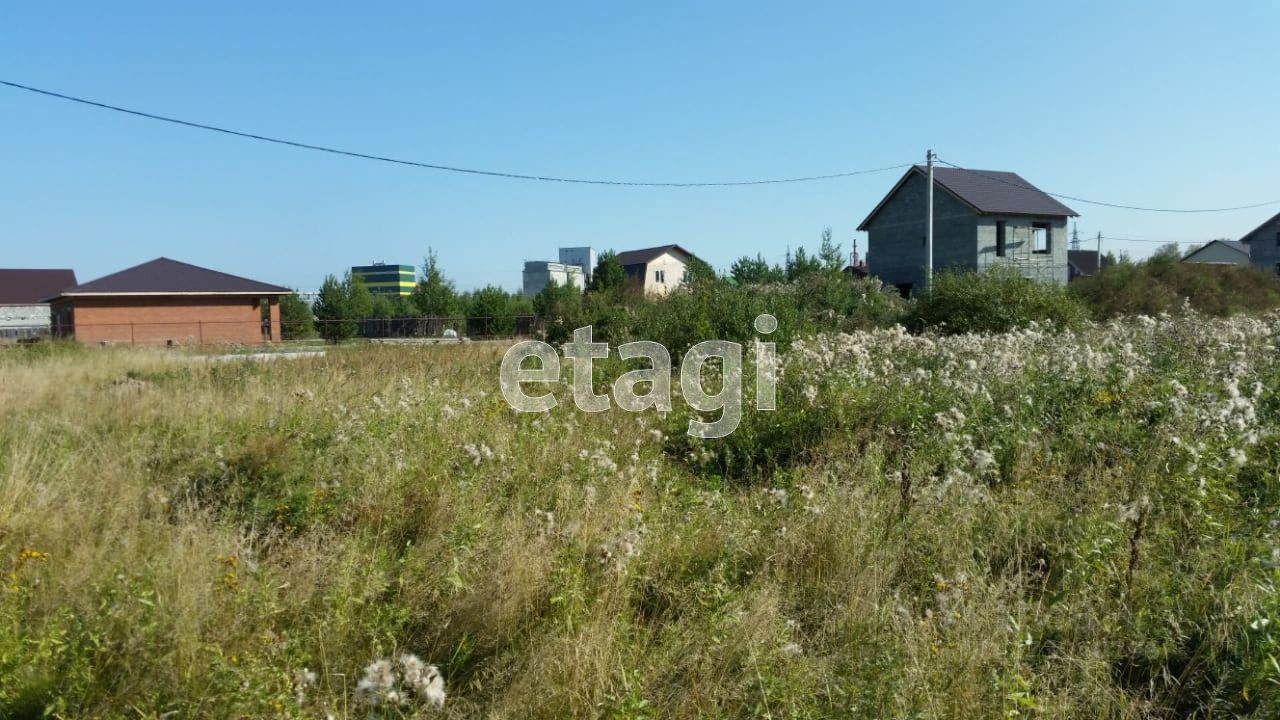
{"x":1225,"y":252}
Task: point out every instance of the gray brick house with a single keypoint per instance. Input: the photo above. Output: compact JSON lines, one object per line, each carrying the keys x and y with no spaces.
{"x":980,"y":218}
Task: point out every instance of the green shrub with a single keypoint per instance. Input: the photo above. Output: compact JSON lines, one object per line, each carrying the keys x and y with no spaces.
{"x":718,"y":309}
{"x":297,"y":321}
{"x":1164,"y":284}
{"x":993,"y":301}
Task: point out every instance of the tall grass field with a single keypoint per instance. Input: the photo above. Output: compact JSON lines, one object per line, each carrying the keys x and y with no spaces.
{"x":1042,"y":523}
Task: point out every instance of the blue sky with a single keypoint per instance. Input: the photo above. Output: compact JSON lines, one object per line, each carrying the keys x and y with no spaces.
{"x":1170,"y":105}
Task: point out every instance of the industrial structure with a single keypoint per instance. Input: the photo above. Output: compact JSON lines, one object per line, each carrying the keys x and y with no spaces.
{"x":574,"y":269}
{"x":390,"y":280}
{"x":540,"y":273}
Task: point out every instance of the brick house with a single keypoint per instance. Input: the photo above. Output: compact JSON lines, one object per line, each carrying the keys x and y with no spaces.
{"x":166,"y":302}
{"x":981,"y":218}
{"x":24,"y":309}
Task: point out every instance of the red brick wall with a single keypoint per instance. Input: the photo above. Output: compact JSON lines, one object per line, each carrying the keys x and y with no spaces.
{"x":182,"y":320}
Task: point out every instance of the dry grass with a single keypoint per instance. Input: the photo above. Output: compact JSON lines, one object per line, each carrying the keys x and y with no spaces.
{"x":204,"y":531}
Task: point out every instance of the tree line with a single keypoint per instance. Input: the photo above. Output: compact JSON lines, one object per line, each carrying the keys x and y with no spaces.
{"x":346,"y":308}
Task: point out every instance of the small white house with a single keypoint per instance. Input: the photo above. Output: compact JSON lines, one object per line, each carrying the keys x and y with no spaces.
{"x":657,"y":270}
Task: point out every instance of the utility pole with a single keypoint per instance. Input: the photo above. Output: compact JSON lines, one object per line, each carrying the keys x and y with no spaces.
{"x":1099,"y":249}
{"x":928,"y":233}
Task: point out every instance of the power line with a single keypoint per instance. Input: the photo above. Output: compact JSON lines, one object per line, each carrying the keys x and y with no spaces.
{"x":1120,"y":206}
{"x":434,"y":166}
{"x":1159,"y":242}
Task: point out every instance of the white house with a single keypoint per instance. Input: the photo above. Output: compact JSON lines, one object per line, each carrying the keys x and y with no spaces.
{"x":657,"y":270}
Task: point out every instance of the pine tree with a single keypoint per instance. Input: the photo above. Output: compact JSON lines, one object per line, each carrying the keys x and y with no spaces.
{"x":333,"y":310}
{"x":297,"y":322}
{"x":608,"y":274}
{"x":435,"y":296}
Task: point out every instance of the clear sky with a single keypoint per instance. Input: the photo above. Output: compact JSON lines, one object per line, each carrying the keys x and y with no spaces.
{"x":1170,"y":104}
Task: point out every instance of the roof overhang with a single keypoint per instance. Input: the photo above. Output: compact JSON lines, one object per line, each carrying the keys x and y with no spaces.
{"x":241,"y":293}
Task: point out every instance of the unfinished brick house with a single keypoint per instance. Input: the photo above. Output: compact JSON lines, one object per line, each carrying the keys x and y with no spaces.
{"x":166,"y":302}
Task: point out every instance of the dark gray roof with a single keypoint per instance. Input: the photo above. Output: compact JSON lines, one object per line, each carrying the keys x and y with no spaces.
{"x":990,"y":192}
{"x":1086,"y":261}
{"x":164,"y":276}
{"x":1273,"y":221}
{"x":640,"y":257}
{"x":21,"y":286}
{"x":1236,"y":244}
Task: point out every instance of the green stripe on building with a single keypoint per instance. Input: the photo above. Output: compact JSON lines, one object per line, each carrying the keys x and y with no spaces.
{"x":396,"y":280}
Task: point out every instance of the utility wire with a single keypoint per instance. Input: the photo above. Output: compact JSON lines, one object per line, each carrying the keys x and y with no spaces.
{"x":1142,"y":240}
{"x":1120,"y":206}
{"x":434,"y":166}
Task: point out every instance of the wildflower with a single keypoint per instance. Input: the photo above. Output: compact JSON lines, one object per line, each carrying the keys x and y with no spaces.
{"x":423,"y":680}
{"x":982,"y":460}
{"x":302,"y":680}
{"x":777,"y":495}
{"x":547,"y":522}
{"x":379,"y":679}
{"x":478,"y":452}
{"x":1237,"y":457}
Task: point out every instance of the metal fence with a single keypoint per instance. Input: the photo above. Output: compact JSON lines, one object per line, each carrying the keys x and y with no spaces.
{"x":241,"y":332}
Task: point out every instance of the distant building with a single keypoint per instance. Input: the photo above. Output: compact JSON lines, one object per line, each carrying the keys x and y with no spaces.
{"x":981,"y":218}
{"x":1264,"y":244}
{"x":1084,"y":263}
{"x":1221,"y":252}
{"x":24,"y":295}
{"x":540,"y":273}
{"x":657,"y":270}
{"x":383,"y":279}
{"x":857,"y":270}
{"x":166,"y":302}
{"x":857,"y":267}
{"x":583,"y":257}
